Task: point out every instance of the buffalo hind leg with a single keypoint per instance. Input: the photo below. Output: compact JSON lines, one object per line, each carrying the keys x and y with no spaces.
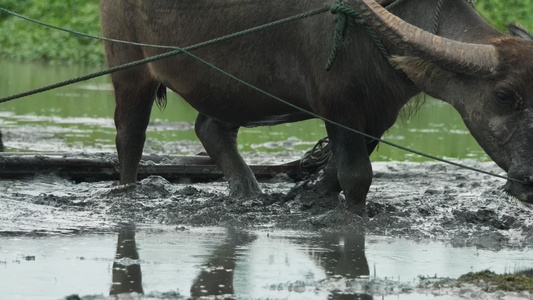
{"x":354,"y":170}
{"x":132,"y":114}
{"x":220,"y":142}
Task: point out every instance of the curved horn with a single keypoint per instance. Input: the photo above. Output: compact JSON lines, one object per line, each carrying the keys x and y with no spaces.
{"x":401,"y":36}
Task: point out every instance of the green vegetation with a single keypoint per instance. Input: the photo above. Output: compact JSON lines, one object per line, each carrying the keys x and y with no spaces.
{"x":492,"y":282}
{"x":22,"y":40}
{"x":486,"y":281}
{"x":502,"y":12}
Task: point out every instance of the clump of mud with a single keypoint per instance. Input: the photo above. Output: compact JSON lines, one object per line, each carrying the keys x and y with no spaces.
{"x":419,"y":201}
{"x":437,"y":201}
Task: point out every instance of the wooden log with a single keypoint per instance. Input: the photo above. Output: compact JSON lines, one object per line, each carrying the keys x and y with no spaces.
{"x":104,"y":166}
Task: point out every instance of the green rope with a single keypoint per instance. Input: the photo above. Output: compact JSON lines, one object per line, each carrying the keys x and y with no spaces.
{"x":436,"y":17}
{"x":347,"y":18}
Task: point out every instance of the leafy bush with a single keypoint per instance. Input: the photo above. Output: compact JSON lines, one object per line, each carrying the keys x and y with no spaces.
{"x":502,"y":12}
{"x":22,"y":40}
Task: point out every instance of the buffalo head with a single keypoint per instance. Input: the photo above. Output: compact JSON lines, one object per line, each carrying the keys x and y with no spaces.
{"x":489,"y":82}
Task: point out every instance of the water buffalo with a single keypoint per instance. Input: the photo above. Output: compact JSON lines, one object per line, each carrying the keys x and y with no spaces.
{"x":485,"y":74}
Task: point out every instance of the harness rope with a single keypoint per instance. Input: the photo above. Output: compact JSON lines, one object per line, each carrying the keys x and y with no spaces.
{"x":436,"y":17}
{"x":177,"y":50}
{"x":347,"y":18}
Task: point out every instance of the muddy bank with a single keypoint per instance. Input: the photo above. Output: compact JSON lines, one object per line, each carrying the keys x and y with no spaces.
{"x":420,"y":201}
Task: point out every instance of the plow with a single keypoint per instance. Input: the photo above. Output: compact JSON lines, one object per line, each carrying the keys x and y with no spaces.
{"x":104,"y":166}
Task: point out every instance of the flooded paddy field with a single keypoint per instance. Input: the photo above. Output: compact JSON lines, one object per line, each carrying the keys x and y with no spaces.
{"x":157,"y":239}
{"x":178,"y":263}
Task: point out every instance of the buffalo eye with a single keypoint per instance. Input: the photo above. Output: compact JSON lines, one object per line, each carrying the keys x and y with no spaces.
{"x":504,"y":98}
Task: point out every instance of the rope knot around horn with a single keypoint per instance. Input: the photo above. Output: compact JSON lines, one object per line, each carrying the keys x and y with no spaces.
{"x":347,"y":17}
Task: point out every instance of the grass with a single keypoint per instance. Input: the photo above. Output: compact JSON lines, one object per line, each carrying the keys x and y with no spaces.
{"x":487,"y":281}
{"x":492,"y":282}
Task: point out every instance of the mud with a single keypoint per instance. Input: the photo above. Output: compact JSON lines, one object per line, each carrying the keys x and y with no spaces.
{"x":419,"y":202}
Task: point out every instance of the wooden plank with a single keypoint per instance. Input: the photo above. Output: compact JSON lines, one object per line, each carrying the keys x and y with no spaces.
{"x":104,"y":166}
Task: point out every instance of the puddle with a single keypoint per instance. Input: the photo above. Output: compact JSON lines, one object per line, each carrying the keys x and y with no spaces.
{"x":169,"y":262}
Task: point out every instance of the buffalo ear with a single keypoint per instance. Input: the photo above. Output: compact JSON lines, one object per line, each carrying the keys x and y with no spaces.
{"x":519,"y":31}
{"x":425,"y":75}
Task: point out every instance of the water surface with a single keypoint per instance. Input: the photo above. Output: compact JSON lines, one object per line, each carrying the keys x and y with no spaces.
{"x":247,"y":264}
{"x":79,"y":118}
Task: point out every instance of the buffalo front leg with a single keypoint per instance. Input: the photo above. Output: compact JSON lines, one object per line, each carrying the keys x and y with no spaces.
{"x":330,"y":181}
{"x":354,"y":170}
{"x":132,"y":114}
{"x":220,"y":141}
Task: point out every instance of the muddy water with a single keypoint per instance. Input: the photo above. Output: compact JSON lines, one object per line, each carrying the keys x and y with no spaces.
{"x":59,"y":237}
{"x":175,"y":262}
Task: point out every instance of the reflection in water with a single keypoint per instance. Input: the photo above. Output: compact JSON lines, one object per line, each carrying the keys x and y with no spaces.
{"x":345,"y":256}
{"x":273,"y":265}
{"x":217,"y":275}
{"x":339,"y":255}
{"x":215,"y":279}
{"x":127,"y":277}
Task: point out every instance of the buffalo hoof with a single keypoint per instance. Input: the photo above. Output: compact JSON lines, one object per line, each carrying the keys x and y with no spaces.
{"x":358,"y":208}
{"x":313,"y":197}
{"x":244,"y":189}
{"x":522,"y":192}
